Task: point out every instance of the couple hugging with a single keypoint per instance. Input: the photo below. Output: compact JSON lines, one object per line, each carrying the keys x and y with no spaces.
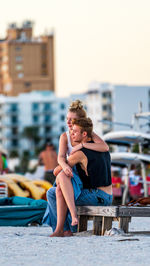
{"x":82,"y":178}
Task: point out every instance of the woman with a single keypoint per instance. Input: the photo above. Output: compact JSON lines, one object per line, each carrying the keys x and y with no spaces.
{"x":66,"y":144}
{"x":66,"y":147}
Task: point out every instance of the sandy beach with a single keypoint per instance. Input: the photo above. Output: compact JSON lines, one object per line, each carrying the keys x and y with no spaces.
{"x":33,"y":246}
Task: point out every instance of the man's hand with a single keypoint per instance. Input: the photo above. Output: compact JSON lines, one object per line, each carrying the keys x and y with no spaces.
{"x":76,"y":148}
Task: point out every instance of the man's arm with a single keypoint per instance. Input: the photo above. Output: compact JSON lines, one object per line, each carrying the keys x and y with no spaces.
{"x":72,"y":160}
{"x":77,"y":157}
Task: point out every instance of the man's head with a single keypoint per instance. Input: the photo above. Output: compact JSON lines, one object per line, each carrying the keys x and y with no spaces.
{"x":82,"y":129}
{"x":49,"y":146}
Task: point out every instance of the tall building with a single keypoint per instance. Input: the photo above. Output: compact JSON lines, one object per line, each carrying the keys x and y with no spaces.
{"x":40,"y":110}
{"x":26,"y":63}
{"x":112,"y":107}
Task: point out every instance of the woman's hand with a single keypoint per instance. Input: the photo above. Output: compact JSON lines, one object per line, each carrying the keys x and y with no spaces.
{"x":68,"y":170}
{"x":76,"y":148}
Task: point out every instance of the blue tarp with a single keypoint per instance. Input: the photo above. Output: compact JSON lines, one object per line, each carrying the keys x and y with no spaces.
{"x":20,"y":211}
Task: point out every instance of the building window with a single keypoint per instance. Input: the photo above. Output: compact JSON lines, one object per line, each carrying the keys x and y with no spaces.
{"x":104,"y":107}
{"x":14,"y":142}
{"x":47,"y":118}
{"x":44,"y":65}
{"x":62,"y":106}
{"x":35,"y":106}
{"x":35,"y":118}
{"x":13,"y":107}
{"x":63,"y":129}
{"x":106,"y":94}
{"x":19,"y":67}
{"x":20,"y":75}
{"x":62,"y":118}
{"x":47,"y":129}
{"x":14,"y":119}
{"x":18,"y":58}
{"x":14,"y":131}
{"x":18,"y":48}
{"x":46,"y":106}
{"x":27,"y":84}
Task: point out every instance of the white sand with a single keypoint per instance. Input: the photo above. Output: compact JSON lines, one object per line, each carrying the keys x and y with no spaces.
{"x":33,"y":246}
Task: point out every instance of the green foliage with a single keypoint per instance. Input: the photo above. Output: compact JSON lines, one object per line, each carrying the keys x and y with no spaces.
{"x":31,"y":133}
{"x":24,"y":162}
{"x":14,"y":154}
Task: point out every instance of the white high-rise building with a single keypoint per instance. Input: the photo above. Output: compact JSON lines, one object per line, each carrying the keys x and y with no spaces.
{"x":42,"y":110}
{"x":112,"y":107}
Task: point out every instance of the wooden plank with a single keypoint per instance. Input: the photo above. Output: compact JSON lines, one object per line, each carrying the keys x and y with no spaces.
{"x":109,"y":211}
{"x":106,"y":224}
{"x":126,"y":211}
{"x":124,"y":223}
{"x":82,"y":226}
{"x":97,"y":225}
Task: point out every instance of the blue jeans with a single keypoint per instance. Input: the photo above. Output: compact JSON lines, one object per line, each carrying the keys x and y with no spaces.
{"x":50,"y":216}
{"x":94,"y":197}
{"x":91,"y":197}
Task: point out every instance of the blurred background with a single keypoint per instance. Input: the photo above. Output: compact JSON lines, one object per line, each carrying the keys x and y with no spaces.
{"x":53,"y":52}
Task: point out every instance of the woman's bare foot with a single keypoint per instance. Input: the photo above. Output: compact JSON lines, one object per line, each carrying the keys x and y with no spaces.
{"x":57,"y":234}
{"x":68,"y":233}
{"x":74,"y":221}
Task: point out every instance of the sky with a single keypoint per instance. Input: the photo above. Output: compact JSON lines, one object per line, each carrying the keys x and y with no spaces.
{"x":95,"y":40}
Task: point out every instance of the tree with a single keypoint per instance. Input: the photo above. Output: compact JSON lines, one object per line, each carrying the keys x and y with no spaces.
{"x":31,"y":133}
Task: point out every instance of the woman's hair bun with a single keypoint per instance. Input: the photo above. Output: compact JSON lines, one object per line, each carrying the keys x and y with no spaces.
{"x":76,"y":105}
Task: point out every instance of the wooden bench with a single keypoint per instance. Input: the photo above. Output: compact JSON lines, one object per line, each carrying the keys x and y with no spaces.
{"x":103,"y":216}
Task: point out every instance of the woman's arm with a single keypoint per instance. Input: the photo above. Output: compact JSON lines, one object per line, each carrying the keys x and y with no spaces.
{"x":98,"y":145}
{"x":62,"y":155}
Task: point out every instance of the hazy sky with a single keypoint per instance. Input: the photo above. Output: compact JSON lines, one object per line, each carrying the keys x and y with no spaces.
{"x":103,"y":40}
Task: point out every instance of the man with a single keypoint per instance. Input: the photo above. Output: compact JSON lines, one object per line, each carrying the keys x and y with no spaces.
{"x":94,"y":171}
{"x":49,"y":158}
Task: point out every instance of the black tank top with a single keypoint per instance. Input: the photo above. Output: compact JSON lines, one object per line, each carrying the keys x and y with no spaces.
{"x":98,"y":168}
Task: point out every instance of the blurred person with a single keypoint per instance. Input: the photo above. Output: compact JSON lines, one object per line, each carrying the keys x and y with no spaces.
{"x":3,"y":161}
{"x":48,"y":158}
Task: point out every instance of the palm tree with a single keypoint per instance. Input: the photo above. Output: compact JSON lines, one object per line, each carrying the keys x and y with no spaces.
{"x":31,"y":133}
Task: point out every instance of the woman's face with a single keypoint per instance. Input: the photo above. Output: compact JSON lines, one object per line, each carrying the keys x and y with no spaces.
{"x":70,"y":117}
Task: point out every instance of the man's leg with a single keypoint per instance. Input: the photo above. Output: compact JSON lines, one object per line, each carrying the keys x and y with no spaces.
{"x":50,"y":216}
{"x":94,"y":197}
{"x":68,"y":194}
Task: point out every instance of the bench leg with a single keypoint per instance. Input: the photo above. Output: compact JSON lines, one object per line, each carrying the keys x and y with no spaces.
{"x":124,"y":223}
{"x":97,"y":225}
{"x":106,"y":224}
{"x":82,"y":226}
